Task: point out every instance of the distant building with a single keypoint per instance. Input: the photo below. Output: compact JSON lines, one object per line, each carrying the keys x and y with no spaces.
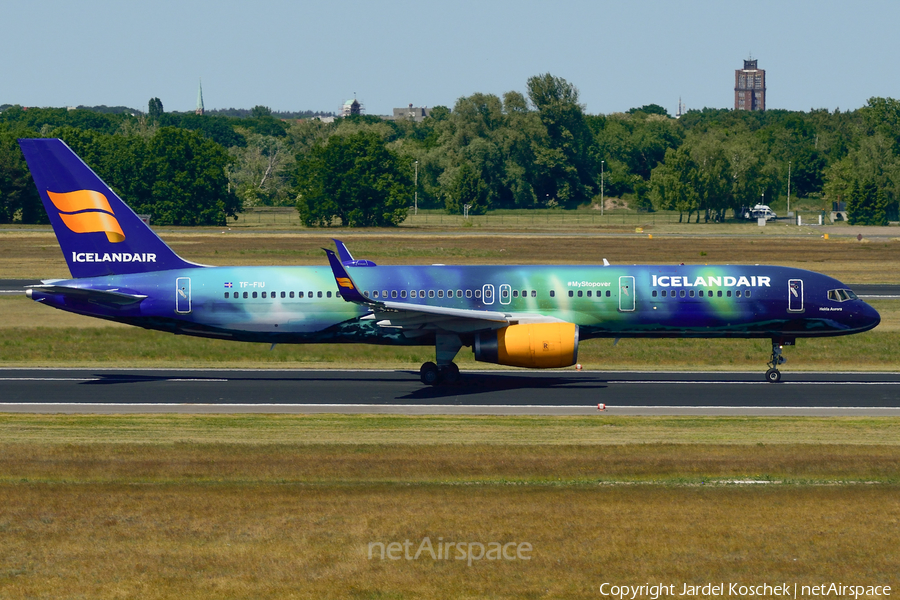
{"x":351,"y":107}
{"x":681,"y":109}
{"x":750,"y":87}
{"x":199,"y":109}
{"x":412,"y":113}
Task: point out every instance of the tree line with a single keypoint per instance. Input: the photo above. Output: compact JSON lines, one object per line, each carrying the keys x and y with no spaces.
{"x":536,"y":148}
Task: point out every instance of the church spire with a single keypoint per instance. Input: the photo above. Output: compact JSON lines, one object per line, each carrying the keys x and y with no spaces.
{"x":199,"y":110}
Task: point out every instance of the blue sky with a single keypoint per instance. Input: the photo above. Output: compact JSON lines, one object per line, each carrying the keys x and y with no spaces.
{"x":313,"y":55}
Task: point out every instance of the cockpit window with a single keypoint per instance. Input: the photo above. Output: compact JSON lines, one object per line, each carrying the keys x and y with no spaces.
{"x":841,"y":295}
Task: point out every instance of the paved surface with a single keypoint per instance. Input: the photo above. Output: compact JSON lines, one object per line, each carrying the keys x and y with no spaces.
{"x":478,"y":392}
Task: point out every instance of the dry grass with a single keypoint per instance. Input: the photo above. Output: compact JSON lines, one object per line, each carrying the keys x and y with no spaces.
{"x":177,"y":506}
{"x":279,"y":541}
{"x":445,"y":464}
{"x":37,"y":255}
{"x":421,"y":431}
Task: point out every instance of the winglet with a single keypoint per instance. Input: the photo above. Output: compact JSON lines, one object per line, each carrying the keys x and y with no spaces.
{"x":347,"y":259}
{"x":346,"y":286}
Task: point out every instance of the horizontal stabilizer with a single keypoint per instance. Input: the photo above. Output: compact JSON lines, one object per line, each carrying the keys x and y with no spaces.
{"x":111,"y":298}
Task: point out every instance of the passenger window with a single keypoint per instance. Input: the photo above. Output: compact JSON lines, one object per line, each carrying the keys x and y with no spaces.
{"x":421,"y":293}
{"x":292,"y":294}
{"x":719,"y":293}
{"x":318,"y":294}
{"x":384,"y":293}
{"x":263,"y":294}
{"x":728,"y":293}
{"x":431,"y":293}
{"x":580,"y":294}
{"x":607,"y":293}
{"x":701,"y":293}
{"x":747,"y":293}
{"x":412,"y":293}
{"x":681,"y":293}
{"x":403,"y":293}
{"x":245,"y":294}
{"x":366,"y":294}
{"x":254,"y":294}
{"x":299,"y":294}
{"x":282,"y":294}
{"x":515,"y":293}
{"x":440,"y":293}
{"x":309,"y":294}
{"x":654,"y":293}
{"x":374,"y":293}
{"x":552,"y":293}
{"x":738,"y":293}
{"x":664,"y":293}
{"x":393,"y":293}
{"x":468,"y":293}
{"x":328,"y":294}
{"x":692,"y":294}
{"x":478,"y":293}
{"x":589,"y":294}
{"x":571,"y":294}
{"x":459,"y":293}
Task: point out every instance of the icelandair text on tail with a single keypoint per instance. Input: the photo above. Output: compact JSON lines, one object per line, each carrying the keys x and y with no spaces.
{"x":113,"y":257}
{"x":769,"y":590}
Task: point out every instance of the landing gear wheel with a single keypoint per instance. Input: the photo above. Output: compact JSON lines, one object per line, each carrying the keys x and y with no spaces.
{"x":449,"y":373}
{"x":773,"y":375}
{"x":429,"y":373}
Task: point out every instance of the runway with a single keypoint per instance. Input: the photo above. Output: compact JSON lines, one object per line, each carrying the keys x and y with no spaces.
{"x":478,"y":392}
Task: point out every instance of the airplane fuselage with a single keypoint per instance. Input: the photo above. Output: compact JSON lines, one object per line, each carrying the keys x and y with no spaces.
{"x":302,"y":304}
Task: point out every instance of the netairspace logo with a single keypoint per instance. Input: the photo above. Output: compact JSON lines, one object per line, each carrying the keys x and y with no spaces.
{"x":470,"y":552}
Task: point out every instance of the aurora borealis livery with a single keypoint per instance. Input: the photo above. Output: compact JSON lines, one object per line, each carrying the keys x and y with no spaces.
{"x":528,"y":316}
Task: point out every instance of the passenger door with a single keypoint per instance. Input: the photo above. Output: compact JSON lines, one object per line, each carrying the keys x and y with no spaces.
{"x":795,"y":295}
{"x":626,"y":293}
{"x":183,"y":295}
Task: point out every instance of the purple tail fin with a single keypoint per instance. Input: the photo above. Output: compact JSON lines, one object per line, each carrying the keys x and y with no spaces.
{"x":98,"y":233}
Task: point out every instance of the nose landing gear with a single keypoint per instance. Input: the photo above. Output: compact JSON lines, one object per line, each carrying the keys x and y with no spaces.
{"x":773,"y":375}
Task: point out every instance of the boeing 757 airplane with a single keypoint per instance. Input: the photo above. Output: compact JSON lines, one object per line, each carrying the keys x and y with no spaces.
{"x":522,"y":316}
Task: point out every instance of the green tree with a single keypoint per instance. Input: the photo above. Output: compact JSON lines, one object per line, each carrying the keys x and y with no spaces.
{"x":563,"y":163}
{"x":866,"y":204}
{"x":355,"y":179}
{"x":19,"y":199}
{"x":155,"y":108}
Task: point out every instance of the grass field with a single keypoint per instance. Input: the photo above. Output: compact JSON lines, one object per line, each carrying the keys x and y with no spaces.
{"x":276,"y":507}
{"x":67,"y":340}
{"x":37,"y":255}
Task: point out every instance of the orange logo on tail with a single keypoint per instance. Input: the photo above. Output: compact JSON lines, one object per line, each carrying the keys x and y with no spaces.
{"x":97,"y":216}
{"x":345,"y":282}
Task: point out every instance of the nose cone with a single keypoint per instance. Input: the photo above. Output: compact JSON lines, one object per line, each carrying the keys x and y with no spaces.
{"x":868,"y":317}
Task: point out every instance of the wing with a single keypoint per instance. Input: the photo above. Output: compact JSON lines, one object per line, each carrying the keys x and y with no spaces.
{"x":418,"y":318}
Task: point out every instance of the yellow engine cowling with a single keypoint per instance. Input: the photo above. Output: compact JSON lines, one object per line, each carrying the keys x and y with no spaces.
{"x":533,"y":345}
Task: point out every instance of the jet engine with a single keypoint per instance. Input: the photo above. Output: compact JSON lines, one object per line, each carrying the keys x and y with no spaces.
{"x":532,"y":345}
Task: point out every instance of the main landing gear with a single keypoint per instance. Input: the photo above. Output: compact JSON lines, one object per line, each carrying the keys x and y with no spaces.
{"x":446,"y":347}
{"x":773,"y":375}
{"x":431,"y":374}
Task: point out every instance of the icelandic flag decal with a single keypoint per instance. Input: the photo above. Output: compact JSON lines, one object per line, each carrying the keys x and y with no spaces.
{"x":228,"y":284}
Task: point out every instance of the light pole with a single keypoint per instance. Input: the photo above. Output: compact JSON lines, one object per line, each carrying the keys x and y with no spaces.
{"x":417,"y":188}
{"x":601,"y":187}
{"x":789,"y":189}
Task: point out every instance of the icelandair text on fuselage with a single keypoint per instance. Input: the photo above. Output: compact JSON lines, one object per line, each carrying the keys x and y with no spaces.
{"x":780,"y":590}
{"x":113,"y":257}
{"x":711,"y":281}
